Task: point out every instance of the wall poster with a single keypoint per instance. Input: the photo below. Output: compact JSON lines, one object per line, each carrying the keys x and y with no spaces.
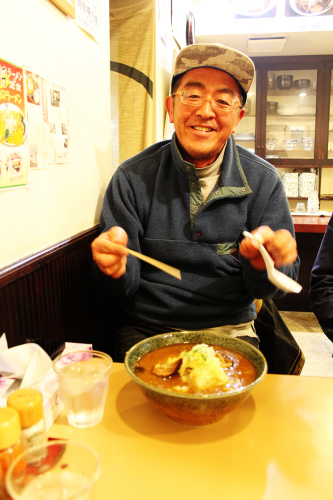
{"x":58,"y":123}
{"x":14,"y":151}
{"x":87,"y":17}
{"x":37,"y":119}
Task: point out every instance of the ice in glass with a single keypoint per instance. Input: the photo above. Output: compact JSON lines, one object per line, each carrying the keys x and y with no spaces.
{"x":83,"y":381}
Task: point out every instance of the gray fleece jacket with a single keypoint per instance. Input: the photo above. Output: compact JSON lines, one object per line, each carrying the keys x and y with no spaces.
{"x":156,"y":198}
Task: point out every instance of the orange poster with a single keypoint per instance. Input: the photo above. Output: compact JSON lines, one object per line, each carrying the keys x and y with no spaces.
{"x":14,"y":157}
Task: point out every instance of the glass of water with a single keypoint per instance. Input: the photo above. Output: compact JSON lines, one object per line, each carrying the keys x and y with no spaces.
{"x":83,"y":378}
{"x":64,"y":470}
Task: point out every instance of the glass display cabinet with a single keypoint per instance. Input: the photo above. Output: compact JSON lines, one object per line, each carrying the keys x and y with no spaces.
{"x":289,"y":116}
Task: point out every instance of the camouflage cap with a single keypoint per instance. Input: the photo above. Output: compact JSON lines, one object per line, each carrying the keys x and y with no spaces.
{"x":216,"y":55}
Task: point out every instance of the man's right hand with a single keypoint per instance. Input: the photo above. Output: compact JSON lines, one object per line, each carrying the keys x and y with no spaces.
{"x":109,"y":252}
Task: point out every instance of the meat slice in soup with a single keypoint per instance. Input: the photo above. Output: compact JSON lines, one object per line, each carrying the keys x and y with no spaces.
{"x":203,"y":370}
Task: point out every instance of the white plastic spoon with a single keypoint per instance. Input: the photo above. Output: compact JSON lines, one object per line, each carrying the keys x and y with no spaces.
{"x":278,"y":279}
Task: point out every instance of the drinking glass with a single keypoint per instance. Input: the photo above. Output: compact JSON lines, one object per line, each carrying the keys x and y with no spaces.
{"x":83,"y":378}
{"x":313,"y":202}
{"x":59,"y":469}
{"x":300,"y":208}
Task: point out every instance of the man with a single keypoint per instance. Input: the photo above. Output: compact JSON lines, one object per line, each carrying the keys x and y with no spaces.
{"x":186,"y":202}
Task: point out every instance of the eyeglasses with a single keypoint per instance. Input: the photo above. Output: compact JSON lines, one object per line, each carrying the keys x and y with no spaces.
{"x":222,"y":101}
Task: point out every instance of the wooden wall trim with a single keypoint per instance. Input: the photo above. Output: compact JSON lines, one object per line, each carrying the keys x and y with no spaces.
{"x":33,"y":262}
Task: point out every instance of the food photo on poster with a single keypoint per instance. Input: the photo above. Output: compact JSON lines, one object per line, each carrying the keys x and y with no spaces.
{"x":309,"y":7}
{"x":253,"y":8}
{"x":277,"y":8}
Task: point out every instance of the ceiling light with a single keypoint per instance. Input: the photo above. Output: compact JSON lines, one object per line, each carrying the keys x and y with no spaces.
{"x":266,"y":44}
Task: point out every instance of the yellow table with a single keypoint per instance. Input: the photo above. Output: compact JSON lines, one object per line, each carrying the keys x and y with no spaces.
{"x":278,"y":445}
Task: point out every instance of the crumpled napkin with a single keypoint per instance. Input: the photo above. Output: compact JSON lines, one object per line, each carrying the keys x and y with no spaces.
{"x":29,"y":366}
{"x":26,"y":364}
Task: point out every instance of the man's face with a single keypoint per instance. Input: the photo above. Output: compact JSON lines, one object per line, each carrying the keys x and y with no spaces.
{"x":202,"y":130}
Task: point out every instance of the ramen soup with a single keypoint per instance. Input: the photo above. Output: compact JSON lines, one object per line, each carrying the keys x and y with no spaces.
{"x":195,"y":369}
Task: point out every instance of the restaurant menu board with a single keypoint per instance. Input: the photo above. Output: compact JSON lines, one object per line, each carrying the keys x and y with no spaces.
{"x":267,"y":16}
{"x":289,"y":8}
{"x":14,"y":151}
{"x":37,"y":118}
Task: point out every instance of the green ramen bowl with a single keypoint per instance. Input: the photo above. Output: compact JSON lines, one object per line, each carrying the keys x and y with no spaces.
{"x":195,"y":409}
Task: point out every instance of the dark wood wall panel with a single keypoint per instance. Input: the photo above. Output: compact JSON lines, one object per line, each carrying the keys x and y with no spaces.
{"x":308,"y":245}
{"x":50,"y":296}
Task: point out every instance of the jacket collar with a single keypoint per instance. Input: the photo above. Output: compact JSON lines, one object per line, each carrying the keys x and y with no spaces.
{"x":233,"y":179}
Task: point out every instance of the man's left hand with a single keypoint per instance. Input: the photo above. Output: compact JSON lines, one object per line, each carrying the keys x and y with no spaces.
{"x":280,"y":245}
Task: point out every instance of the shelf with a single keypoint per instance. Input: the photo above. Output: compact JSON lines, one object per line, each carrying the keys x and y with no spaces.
{"x":291,"y":92}
{"x":292,"y":116}
{"x":244,"y":138}
{"x":293,"y":168}
{"x":273,"y":151}
{"x":327,"y":197}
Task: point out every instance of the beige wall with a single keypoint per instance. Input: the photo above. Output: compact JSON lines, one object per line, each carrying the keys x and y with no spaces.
{"x":166,"y":52}
{"x":326,"y":188}
{"x":64,"y":199}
